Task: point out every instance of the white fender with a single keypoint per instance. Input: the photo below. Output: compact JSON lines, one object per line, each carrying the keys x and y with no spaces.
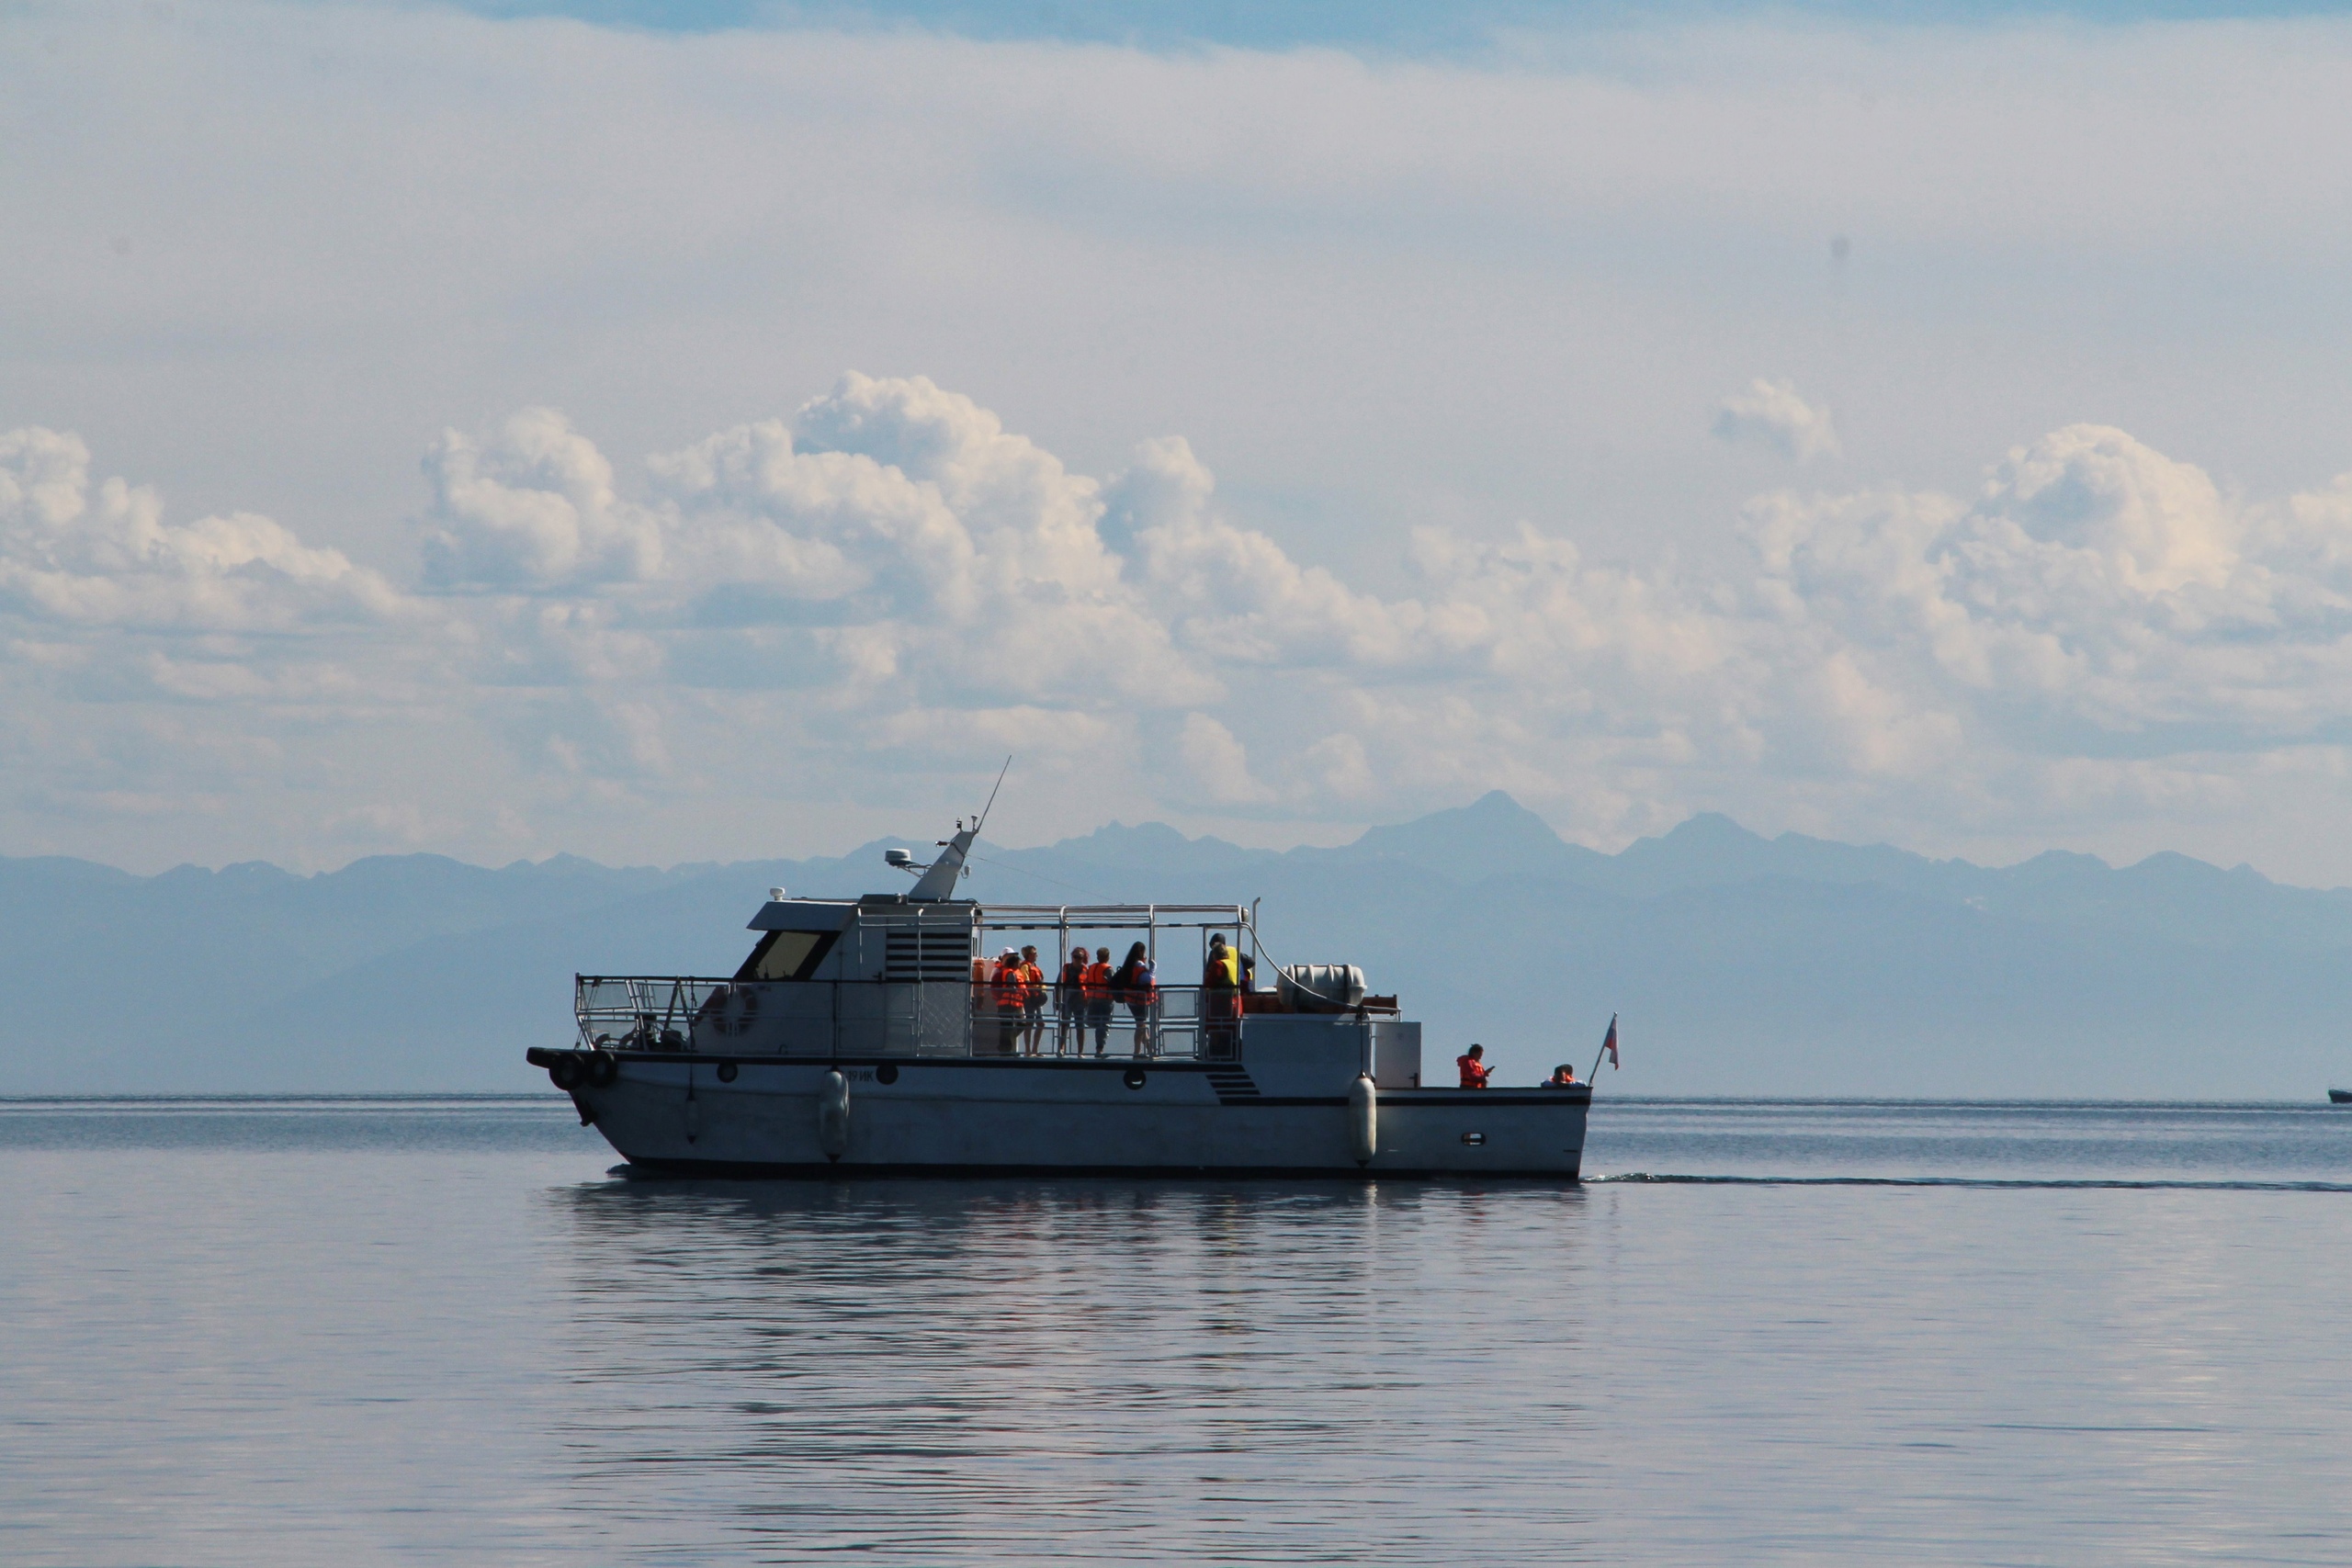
{"x":833,"y":1115}
{"x":1363,"y":1118}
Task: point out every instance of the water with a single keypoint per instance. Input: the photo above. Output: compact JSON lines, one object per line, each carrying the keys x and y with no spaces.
{"x":421,"y":1331}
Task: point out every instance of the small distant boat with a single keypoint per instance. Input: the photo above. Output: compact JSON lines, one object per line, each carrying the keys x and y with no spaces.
{"x":2340,"y":1096}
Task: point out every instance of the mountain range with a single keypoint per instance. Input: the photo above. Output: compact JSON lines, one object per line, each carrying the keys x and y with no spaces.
{"x":1739,"y":964}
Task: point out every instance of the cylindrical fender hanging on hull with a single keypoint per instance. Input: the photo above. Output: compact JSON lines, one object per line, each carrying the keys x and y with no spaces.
{"x":1364,"y":1119}
{"x":833,"y":1115}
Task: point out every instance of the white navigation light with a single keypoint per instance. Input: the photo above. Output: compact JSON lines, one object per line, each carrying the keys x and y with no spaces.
{"x":776,"y":895}
{"x":900,"y":858}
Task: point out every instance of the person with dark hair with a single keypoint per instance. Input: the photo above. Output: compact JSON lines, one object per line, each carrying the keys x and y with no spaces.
{"x":1563,"y":1077}
{"x":1220,"y":995}
{"x":1005,"y":990}
{"x":1097,"y":987}
{"x":1136,"y":986}
{"x":1069,"y":1004}
{"x":1474,"y":1067}
{"x":1032,"y":1003}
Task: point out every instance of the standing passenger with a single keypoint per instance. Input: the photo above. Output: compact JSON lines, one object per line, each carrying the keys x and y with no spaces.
{"x":1220,"y":989}
{"x":1006,"y":985}
{"x":1136,"y":986}
{"x":1070,"y":1003}
{"x":1097,"y":987}
{"x":1033,"y":1002}
{"x":1474,"y":1068}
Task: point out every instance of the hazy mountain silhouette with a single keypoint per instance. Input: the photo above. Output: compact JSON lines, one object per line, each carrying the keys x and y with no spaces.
{"x":1741,"y":964}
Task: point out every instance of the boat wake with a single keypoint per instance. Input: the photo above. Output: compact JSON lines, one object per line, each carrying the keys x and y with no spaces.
{"x":2152,"y":1184}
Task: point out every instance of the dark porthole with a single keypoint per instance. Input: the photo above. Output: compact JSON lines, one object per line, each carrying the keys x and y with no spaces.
{"x":1474,"y":1139}
{"x":1135,"y":1078}
{"x":725,"y":1072}
{"x":887,"y":1073}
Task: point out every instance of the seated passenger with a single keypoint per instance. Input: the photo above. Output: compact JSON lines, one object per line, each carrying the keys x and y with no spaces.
{"x":1563,"y":1077}
{"x":1474,"y":1067}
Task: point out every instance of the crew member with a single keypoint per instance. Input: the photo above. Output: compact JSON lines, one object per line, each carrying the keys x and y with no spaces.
{"x":1220,"y":986}
{"x":1473,"y":1064}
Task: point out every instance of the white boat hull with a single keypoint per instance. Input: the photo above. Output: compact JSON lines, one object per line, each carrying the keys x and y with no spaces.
{"x":970,"y":1115}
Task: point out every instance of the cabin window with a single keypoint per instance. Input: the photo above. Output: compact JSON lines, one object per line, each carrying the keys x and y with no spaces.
{"x":788,"y":956}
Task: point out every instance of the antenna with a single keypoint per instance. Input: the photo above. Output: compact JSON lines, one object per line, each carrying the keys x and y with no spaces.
{"x":992,"y":805}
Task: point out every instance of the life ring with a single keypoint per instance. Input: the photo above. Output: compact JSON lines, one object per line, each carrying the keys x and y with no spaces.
{"x":732,"y":1010}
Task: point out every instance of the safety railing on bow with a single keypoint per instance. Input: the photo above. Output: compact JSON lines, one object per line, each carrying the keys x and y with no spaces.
{"x":707,"y":1016}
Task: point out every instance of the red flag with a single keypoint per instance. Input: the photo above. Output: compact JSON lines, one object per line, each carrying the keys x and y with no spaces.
{"x":1608,"y":1047}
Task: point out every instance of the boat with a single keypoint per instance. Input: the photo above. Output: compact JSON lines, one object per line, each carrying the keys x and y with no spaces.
{"x":2340,"y":1096}
{"x":864,"y":1037}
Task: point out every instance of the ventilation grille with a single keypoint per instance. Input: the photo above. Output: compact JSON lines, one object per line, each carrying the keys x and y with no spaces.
{"x":929,"y":954}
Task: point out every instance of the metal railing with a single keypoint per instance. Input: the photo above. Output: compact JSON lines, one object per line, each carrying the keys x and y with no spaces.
{"x":707,"y":1016}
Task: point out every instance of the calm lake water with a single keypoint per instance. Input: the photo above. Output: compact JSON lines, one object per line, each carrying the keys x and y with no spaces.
{"x":439,"y":1331}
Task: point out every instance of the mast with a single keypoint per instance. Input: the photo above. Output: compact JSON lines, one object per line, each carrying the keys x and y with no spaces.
{"x":938,"y":881}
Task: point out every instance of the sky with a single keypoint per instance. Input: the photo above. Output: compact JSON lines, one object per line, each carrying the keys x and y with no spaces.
{"x":664,"y":431}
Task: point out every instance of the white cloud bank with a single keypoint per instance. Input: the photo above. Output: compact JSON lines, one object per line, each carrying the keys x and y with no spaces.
{"x":872,"y":600}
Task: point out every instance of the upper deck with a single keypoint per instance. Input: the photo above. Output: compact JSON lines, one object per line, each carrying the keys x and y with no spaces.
{"x":891,"y":975}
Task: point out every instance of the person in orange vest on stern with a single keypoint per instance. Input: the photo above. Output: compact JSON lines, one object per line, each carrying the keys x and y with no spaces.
{"x":1474,"y":1067}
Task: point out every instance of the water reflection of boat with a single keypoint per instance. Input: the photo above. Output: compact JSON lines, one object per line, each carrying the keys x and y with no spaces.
{"x":866,"y":1036}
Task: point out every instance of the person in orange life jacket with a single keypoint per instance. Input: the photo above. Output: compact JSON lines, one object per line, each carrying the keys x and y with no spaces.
{"x":1070,"y":1002}
{"x":1005,"y":987}
{"x":1474,"y":1067}
{"x":1563,"y":1077}
{"x":1033,"y":1002}
{"x":1136,"y":985}
{"x":1098,"y":1001}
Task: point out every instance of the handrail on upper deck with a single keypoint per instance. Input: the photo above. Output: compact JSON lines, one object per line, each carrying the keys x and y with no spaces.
{"x":1114,"y":917}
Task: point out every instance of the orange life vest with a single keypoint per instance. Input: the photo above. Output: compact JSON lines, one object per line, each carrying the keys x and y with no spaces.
{"x":1474,"y":1072}
{"x":1006,"y":986}
{"x":1033,"y":982}
{"x":1096,"y":982}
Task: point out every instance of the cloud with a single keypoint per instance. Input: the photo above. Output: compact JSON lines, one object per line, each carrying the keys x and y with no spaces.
{"x":2094,"y":589}
{"x":78,"y":555}
{"x":531,"y":506}
{"x":1772,"y":413}
{"x":1217,"y":763}
{"x":887,"y":590}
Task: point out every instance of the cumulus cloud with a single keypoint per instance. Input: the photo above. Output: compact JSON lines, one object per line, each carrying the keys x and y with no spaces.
{"x":76,"y":554}
{"x":2093,"y":582}
{"x":889,"y":585}
{"x":1217,"y":763}
{"x":531,"y":506}
{"x":1771,"y":413}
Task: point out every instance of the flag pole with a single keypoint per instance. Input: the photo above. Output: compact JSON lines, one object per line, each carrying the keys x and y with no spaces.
{"x":1594,"y":1077}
